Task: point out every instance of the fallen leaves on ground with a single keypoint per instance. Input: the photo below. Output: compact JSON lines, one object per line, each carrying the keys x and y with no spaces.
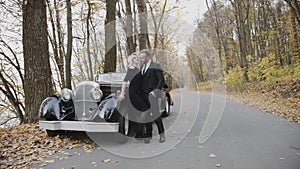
{"x":212,"y":156}
{"x":94,"y":164}
{"x":218,"y":165}
{"x":110,"y":161}
{"x":49,"y":161}
{"x":281,"y":158}
{"x":24,"y":145}
{"x":106,"y":161}
{"x":270,"y":102}
{"x":280,"y":98}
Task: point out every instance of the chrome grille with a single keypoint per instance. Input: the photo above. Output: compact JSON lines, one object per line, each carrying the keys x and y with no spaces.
{"x":85,"y":107}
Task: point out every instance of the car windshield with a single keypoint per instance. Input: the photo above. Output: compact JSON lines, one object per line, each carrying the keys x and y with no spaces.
{"x":111,"y":77}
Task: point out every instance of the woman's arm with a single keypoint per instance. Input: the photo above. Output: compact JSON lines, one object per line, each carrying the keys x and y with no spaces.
{"x":122,"y":95}
{"x":124,"y":85}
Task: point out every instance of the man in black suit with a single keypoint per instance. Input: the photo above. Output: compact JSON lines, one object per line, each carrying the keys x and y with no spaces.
{"x":151,"y":84}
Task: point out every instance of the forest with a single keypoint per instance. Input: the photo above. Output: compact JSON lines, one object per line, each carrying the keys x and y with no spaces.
{"x":252,"y":47}
{"x":257,"y":53}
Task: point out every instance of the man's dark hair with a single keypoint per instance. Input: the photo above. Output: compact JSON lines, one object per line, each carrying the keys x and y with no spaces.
{"x":146,"y":52}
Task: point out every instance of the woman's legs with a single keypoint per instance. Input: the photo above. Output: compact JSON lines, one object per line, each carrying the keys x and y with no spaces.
{"x":132,"y":128}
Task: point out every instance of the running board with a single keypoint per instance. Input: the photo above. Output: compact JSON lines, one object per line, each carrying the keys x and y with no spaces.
{"x":79,"y":126}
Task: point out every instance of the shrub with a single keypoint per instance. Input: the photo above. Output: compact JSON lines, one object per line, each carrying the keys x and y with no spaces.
{"x":235,"y":78}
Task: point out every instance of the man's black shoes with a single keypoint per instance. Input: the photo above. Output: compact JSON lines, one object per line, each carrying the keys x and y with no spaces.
{"x":147,"y":140}
{"x":162,"y":138}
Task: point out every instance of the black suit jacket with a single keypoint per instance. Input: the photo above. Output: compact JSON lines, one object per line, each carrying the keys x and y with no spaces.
{"x":152,"y":79}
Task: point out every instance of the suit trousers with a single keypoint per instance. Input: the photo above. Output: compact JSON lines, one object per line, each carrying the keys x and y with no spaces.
{"x":156,"y":117}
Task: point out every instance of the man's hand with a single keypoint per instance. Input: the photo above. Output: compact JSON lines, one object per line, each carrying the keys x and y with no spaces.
{"x":121,"y":97}
{"x":153,"y":94}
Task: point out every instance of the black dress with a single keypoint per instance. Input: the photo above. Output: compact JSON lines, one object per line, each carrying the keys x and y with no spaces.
{"x":133,"y":94}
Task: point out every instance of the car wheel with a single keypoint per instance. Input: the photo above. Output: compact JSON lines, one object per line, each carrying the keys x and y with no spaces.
{"x":53,"y":133}
{"x":167,"y":108}
{"x":121,"y":136}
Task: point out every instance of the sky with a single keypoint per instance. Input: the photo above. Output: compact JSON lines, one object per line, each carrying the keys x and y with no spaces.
{"x":194,"y":9}
{"x":190,"y":12}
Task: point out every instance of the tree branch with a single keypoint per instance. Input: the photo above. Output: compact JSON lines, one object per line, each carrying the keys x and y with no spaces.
{"x":8,"y":120}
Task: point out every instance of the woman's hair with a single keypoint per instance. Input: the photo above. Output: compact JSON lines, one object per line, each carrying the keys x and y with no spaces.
{"x":130,"y":58}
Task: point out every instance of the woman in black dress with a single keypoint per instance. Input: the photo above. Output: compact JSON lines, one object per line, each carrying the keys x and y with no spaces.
{"x":132,"y":102}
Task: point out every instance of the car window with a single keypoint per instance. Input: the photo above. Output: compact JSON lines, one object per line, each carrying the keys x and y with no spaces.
{"x":111,"y":77}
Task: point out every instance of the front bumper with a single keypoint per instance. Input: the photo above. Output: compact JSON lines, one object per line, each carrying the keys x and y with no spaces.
{"x":79,"y":126}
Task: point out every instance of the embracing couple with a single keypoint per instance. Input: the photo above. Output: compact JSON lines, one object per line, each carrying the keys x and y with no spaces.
{"x":140,"y":99}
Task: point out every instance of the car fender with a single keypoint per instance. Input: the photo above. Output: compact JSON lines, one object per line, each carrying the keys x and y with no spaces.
{"x":107,"y":108}
{"x":49,"y":109}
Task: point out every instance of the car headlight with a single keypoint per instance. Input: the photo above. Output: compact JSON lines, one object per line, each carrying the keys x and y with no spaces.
{"x":96,"y":94}
{"x":66,"y":94}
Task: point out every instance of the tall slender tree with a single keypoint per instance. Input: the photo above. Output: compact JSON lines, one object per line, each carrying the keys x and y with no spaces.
{"x":143,"y":34}
{"x":56,"y":41}
{"x":214,"y":14}
{"x":110,"y":37}
{"x":241,"y":12}
{"x":88,"y":41}
{"x":129,"y":28}
{"x":69,"y":46}
{"x":295,"y":8}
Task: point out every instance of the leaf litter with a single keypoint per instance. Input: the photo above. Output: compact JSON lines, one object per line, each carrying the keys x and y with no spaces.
{"x":25,"y":145}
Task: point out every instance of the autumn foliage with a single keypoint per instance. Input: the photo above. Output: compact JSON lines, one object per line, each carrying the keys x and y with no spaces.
{"x":256,"y":49}
{"x":270,"y":87}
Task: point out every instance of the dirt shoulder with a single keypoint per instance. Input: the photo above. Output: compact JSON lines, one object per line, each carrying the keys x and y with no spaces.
{"x":269,"y":102}
{"x":279,"y":98}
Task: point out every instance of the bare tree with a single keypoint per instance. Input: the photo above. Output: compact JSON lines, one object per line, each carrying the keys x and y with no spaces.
{"x":8,"y":82}
{"x":56,"y":41}
{"x":157,"y":24}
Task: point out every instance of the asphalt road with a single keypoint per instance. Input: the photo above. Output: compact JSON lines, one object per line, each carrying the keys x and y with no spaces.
{"x":245,"y":138}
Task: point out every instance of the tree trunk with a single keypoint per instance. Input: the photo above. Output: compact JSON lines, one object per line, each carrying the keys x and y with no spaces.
{"x":216,"y":22}
{"x":110,"y":37}
{"x":88,"y":41}
{"x":58,"y":53}
{"x":69,"y":46}
{"x":157,"y":26}
{"x":295,"y":40}
{"x":143,"y":33}
{"x":129,"y":28}
{"x":62,"y":53}
{"x":37,"y":79}
{"x":255,"y":33}
{"x":295,"y":8}
{"x":241,"y":11}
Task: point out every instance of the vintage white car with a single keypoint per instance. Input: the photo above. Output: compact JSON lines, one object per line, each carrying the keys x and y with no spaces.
{"x":92,"y":107}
